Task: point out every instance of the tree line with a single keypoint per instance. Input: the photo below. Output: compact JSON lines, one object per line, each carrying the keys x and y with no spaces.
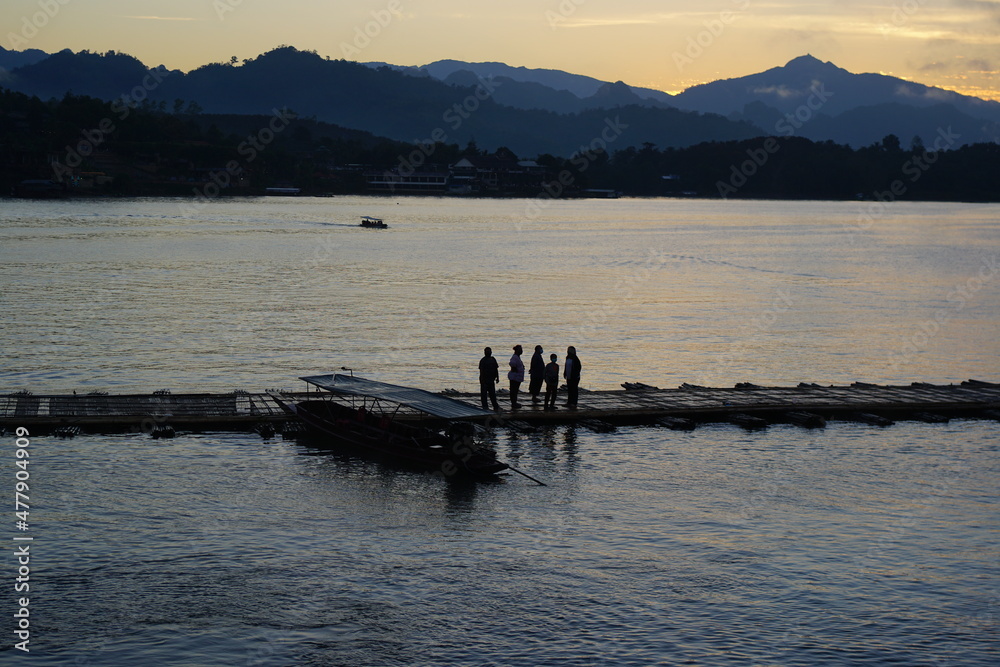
{"x":159,"y":148}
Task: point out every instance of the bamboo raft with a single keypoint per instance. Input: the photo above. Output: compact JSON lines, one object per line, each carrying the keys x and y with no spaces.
{"x":101,"y":412}
{"x":808,"y":405}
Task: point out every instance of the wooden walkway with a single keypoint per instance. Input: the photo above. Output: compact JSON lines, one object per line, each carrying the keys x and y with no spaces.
{"x":684,"y":407}
{"x":807,"y":404}
{"x":138,"y":412}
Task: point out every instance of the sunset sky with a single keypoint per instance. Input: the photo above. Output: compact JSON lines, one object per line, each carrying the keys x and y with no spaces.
{"x":670,"y":46}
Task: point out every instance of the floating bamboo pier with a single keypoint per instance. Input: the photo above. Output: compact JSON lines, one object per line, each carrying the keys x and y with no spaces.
{"x":808,"y":405}
{"x":152,"y":413}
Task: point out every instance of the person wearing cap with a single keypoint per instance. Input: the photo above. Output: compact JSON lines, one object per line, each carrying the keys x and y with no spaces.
{"x":516,"y":375}
{"x":489,"y":375}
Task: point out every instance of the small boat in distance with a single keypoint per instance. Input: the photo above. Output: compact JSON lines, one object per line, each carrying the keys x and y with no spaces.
{"x":374,"y":223}
{"x":360,"y":415}
{"x":282,"y":191}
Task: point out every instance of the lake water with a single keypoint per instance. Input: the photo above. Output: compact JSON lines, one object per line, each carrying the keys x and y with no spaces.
{"x":845,"y":546}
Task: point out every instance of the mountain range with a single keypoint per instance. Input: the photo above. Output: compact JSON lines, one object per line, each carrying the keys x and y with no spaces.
{"x":530,"y":111}
{"x":871,"y":102}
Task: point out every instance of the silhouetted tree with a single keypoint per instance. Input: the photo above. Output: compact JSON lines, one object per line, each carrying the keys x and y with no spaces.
{"x":891,"y":144}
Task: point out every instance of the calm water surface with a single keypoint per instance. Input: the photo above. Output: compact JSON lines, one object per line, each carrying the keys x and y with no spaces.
{"x":846,"y":546}
{"x":142,"y":295}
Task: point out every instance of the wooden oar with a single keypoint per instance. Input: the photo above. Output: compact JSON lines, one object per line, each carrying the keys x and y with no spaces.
{"x":536,"y":481}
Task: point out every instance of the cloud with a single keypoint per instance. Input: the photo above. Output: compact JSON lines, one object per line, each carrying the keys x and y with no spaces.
{"x":651,"y":18}
{"x":988,"y":7}
{"x":980,"y":65}
{"x":605,"y":22}
{"x":918,"y":91}
{"x":939,"y":95}
{"x":161,"y":18}
{"x":936,"y":66}
{"x":809,"y":40}
{"x":782,"y":91}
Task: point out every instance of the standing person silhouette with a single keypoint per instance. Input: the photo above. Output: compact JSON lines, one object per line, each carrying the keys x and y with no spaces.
{"x":489,"y":376}
{"x":537,"y":373}
{"x":551,"y":382}
{"x":571,"y":372}
{"x":516,"y":375}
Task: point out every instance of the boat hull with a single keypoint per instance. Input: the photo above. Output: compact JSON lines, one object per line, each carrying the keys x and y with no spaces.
{"x":377,"y":436}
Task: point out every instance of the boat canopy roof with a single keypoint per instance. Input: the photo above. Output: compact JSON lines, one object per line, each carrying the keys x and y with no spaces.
{"x":420,"y":399}
{"x":368,"y":217}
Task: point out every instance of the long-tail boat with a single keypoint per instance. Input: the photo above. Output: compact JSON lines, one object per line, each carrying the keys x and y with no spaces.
{"x":360,"y":414}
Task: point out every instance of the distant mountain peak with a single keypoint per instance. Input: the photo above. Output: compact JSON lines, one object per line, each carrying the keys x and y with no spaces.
{"x":810,"y":63}
{"x":615,"y":94}
{"x":616,"y":88}
{"x":581,"y":86}
{"x":807,"y":59}
{"x":13,"y":59}
{"x":620,"y":85}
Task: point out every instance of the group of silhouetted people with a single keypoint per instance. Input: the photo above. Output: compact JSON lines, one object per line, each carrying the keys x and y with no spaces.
{"x":539,"y":372}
